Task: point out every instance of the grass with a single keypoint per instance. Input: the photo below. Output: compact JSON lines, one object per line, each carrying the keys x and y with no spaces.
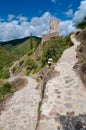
{"x":6,"y":58}
{"x":39,"y":106}
{"x":50,"y":49}
{"x":5,"y":90}
{"x":20,"y":47}
{"x":4,"y":74}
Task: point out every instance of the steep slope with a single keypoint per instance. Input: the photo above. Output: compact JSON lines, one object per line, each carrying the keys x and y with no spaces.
{"x":81,"y":54}
{"x":64,"y":103}
{"x":20,"y":47}
{"x":63,"y":106}
{"x":5,"y":58}
{"x":12,"y":51}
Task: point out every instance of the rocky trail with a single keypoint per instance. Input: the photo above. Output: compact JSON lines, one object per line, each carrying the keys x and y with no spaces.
{"x":64,"y":97}
{"x":21,"y":111}
{"x":63,"y":106}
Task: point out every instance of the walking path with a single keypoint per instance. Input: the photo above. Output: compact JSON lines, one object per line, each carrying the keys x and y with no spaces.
{"x":21,"y":110}
{"x":64,"y":93}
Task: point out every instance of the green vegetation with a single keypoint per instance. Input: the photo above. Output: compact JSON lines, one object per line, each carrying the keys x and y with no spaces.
{"x":30,"y":52}
{"x":14,"y":50}
{"x":21,"y":47}
{"x":31,"y":66}
{"x":6,"y":58}
{"x":14,"y":69}
{"x":21,"y":62}
{"x":39,"y":106}
{"x":54,"y":48}
{"x":4,"y":74}
{"x":82,"y":24}
{"x":31,"y":42}
{"x":5,"y":90}
{"x":50,"y":49}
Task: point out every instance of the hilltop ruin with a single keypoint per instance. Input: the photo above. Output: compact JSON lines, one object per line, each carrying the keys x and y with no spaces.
{"x":53,"y":31}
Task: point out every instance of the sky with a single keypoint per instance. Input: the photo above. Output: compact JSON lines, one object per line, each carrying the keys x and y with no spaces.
{"x":20,"y":18}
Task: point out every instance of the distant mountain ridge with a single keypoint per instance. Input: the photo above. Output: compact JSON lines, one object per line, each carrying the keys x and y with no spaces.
{"x":17,"y":41}
{"x":13,"y":50}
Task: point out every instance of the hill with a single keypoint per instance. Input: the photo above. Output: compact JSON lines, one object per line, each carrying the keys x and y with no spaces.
{"x":5,"y":58}
{"x":20,"y":47}
{"x":11,"y":51}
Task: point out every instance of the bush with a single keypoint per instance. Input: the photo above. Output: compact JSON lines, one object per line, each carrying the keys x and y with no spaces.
{"x":14,"y":69}
{"x":6,"y":88}
{"x":82,"y":24}
{"x":52,"y":49}
{"x":4,"y":74}
{"x":21,"y":62}
{"x":31,"y":52}
{"x":31,"y":65}
{"x":5,"y":91}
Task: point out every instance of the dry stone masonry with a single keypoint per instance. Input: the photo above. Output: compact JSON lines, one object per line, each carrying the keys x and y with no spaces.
{"x":54,"y":30}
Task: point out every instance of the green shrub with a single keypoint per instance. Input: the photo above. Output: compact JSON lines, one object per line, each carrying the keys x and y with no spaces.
{"x":54,"y":48}
{"x":39,"y":57}
{"x":31,"y":65}
{"x":82,"y":24}
{"x":6,"y":88}
{"x":31,"y":52}
{"x":4,"y":74}
{"x":5,"y":91}
{"x":21,"y":62}
{"x":31,"y":42}
{"x":14,"y":69}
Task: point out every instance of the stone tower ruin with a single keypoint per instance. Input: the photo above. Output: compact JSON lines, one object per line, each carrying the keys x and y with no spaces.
{"x":54,"y":26}
{"x":54,"y":30}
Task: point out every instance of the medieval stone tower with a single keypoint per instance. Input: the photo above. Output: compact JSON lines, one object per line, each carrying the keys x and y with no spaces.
{"x":54,"y":30}
{"x":54,"y":26}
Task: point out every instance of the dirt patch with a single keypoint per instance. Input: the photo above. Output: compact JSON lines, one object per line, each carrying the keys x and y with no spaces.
{"x":19,"y":82}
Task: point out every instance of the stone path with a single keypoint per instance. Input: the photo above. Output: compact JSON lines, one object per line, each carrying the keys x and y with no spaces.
{"x":21,"y":110}
{"x":64,"y":93}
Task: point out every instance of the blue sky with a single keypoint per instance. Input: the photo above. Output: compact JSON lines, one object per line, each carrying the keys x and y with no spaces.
{"x":18,"y":18}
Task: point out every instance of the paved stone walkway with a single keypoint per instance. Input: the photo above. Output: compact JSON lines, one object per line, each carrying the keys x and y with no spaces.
{"x":64,"y":93}
{"x":21,"y":110}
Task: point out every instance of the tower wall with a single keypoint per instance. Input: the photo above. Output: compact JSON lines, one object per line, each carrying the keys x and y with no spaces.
{"x":54,"y":25}
{"x":54,"y":30}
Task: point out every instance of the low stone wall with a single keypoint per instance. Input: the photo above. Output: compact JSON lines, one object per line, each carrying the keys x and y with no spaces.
{"x":48,"y":36}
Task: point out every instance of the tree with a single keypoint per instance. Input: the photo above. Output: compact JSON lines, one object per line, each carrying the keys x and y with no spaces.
{"x":82,"y":24}
{"x":31,"y":42}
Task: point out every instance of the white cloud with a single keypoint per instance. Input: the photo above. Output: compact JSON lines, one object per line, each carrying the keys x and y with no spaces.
{"x":66,"y":27}
{"x":69,"y":13}
{"x":22,"y":18}
{"x":20,"y":27}
{"x":54,"y":1}
{"x":81,"y":13}
{"x":11,"y":17}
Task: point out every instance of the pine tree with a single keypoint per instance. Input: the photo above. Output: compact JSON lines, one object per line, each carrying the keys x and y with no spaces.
{"x":31,"y":42}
